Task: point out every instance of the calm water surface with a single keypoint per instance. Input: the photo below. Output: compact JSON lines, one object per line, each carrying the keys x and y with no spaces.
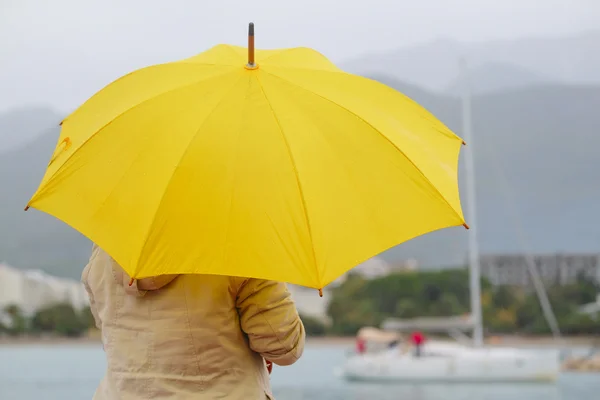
{"x":60,"y":372}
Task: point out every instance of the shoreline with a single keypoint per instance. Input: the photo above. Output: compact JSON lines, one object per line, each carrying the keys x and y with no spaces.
{"x":495,"y":341}
{"x":50,"y":341}
{"x":492,"y":341}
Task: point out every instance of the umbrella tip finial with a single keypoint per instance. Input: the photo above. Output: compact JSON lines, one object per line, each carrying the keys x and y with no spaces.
{"x":321,"y":292}
{"x":466,"y":226}
{"x":251,"y":64}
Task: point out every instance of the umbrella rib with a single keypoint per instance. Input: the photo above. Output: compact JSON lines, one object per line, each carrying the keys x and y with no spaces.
{"x":379,"y":132}
{"x":428,"y":115}
{"x":157,"y":66}
{"x":295,"y":168}
{"x":170,"y":181}
{"x":113,"y":120}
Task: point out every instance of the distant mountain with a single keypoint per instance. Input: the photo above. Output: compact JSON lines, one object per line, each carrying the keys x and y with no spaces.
{"x":33,"y":239}
{"x":434,"y":65}
{"x":496,"y":77}
{"x":536,"y":158}
{"x":543,"y":140}
{"x":17,"y":127}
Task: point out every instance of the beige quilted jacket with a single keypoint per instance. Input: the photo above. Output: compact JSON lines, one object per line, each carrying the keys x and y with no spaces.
{"x":190,"y":336}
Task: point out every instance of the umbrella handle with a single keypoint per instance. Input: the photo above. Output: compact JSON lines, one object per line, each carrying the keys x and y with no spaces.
{"x":251,"y":62}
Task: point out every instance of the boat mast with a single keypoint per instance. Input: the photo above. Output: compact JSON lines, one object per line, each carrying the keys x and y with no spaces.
{"x":473,"y":247}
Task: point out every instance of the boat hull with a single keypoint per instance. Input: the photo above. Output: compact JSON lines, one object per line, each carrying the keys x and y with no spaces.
{"x":472,"y":365}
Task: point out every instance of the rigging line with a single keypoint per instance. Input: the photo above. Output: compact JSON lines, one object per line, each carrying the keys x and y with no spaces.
{"x":522,"y":237}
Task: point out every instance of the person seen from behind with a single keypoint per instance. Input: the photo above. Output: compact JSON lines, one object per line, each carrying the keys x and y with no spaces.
{"x":190,"y":336}
{"x":418,"y":339}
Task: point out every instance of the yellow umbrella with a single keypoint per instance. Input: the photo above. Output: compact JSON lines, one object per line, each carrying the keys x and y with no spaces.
{"x":283,"y":168}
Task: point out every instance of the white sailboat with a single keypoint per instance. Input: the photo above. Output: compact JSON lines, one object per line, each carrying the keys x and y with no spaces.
{"x":459,"y":362}
{"x":452,"y":362}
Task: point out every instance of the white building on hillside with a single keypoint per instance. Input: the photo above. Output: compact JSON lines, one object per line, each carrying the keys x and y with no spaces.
{"x":11,"y":290}
{"x":373,"y":268}
{"x":554,"y":269}
{"x":309,"y":303}
{"x":377,"y":267}
{"x":33,"y":290}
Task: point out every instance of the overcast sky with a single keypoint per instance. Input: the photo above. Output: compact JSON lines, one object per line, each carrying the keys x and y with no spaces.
{"x":60,"y":52}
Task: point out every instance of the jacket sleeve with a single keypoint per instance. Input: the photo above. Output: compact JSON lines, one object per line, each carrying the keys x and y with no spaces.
{"x":269,"y":317}
{"x":84,"y":279}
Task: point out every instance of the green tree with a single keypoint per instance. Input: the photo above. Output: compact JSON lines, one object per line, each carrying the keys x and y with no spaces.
{"x":504,"y":297}
{"x":504,"y":320}
{"x":60,"y":319}
{"x":579,"y":324}
{"x":359,"y":302}
{"x":17,"y":322}
{"x":87,"y":318}
{"x":407,"y":308}
{"x":313,"y":326}
{"x":364,"y":313}
{"x":447,"y":306}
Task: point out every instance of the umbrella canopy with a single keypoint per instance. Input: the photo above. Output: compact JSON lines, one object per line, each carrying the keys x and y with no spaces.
{"x":277,"y":166}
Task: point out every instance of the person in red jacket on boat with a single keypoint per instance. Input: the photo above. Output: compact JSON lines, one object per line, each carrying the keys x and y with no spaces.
{"x":417,"y":339}
{"x":361,"y":345}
